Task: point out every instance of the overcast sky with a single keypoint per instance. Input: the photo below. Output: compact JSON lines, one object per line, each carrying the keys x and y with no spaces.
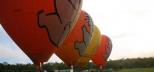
{"x":129,"y":24}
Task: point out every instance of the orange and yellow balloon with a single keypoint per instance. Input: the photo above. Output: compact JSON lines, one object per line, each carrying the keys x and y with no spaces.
{"x":102,"y":52}
{"x":76,"y":43}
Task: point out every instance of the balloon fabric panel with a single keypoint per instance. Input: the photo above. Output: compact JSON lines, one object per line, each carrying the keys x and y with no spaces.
{"x":91,"y":48}
{"x":76,"y":42}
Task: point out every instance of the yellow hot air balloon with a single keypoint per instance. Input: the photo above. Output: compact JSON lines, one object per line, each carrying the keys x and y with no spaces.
{"x":91,"y":48}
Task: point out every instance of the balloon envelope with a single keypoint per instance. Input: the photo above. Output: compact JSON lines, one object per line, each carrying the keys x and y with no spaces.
{"x":91,"y":48}
{"x":102,"y":52}
{"x":75,"y":44}
{"x":38,"y":26}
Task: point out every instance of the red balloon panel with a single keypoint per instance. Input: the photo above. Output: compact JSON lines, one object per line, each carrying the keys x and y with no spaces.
{"x":38,"y":26}
{"x":103,"y":51}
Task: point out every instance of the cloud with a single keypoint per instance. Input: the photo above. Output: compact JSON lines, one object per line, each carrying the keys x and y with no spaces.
{"x":12,"y":55}
{"x":55,"y":58}
{"x":129,"y":23}
{"x":117,"y":55}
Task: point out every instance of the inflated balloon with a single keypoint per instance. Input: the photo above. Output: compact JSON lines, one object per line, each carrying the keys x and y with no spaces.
{"x":91,"y":48}
{"x":57,"y":17}
{"x":38,"y":26}
{"x":75,"y":44}
{"x":103,"y":51}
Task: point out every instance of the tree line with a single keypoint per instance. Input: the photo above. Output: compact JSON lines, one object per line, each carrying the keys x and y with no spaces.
{"x":130,"y":63}
{"x":50,"y":67}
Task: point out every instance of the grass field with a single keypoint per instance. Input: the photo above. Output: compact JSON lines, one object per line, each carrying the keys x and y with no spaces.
{"x":137,"y":70}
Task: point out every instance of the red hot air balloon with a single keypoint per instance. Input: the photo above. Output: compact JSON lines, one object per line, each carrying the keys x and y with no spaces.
{"x":76,"y":42}
{"x":38,"y":26}
{"x":102,"y":52}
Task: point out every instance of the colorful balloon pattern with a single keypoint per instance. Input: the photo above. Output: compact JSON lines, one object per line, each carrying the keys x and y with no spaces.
{"x":43,"y":27}
{"x":47,"y":14}
{"x":91,"y":48}
{"x":76,"y":42}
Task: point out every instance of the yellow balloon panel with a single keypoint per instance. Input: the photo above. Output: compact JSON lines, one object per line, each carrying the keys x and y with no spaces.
{"x":91,"y":48}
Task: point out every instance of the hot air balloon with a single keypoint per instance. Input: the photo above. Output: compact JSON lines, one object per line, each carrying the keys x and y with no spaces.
{"x":76,"y":43}
{"x":102,"y":52}
{"x":91,"y":48}
{"x":39,"y":26}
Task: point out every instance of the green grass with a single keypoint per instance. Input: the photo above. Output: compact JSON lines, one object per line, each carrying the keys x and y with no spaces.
{"x":137,"y":70}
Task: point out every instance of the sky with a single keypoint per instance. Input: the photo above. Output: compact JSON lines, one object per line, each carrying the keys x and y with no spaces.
{"x":129,"y":24}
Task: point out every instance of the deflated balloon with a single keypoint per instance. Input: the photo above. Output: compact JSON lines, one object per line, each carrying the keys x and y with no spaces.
{"x":91,"y":48}
{"x":38,"y":26}
{"x":103,"y":51}
{"x":76,"y":43}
